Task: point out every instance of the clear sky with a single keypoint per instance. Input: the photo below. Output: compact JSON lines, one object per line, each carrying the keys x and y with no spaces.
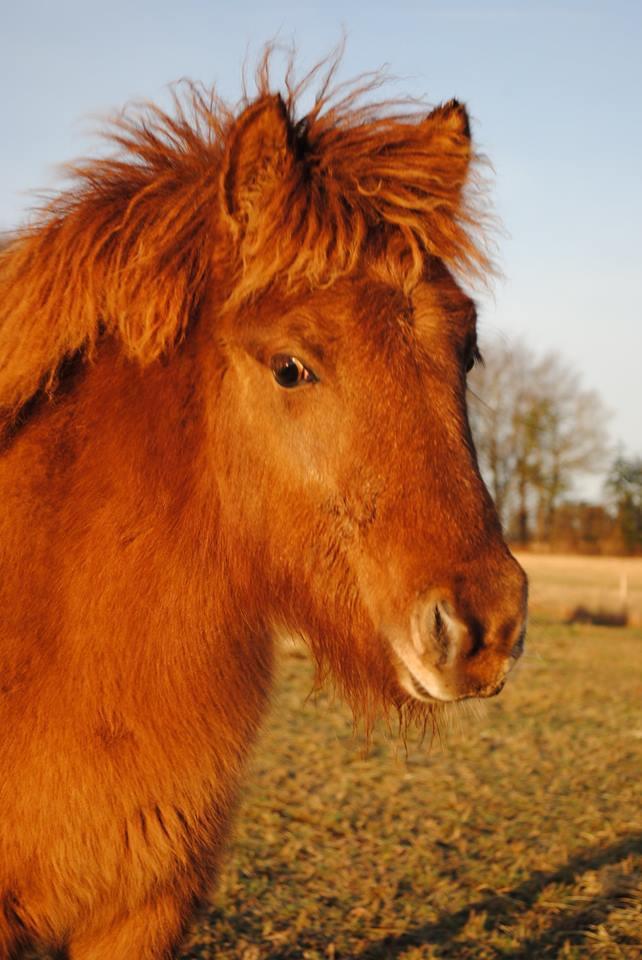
{"x":554,"y":90}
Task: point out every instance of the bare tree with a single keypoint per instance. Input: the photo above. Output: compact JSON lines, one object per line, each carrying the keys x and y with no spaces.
{"x":624,"y":490}
{"x":536,"y":429}
{"x":494,"y":397}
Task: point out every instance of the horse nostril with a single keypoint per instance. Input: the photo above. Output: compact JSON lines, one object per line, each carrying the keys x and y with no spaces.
{"x":439,"y":629}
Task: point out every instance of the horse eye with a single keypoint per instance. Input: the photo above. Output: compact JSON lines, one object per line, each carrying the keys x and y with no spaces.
{"x":473,"y":357}
{"x":290,"y":372}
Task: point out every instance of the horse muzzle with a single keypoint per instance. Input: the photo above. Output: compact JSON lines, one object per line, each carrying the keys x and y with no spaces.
{"x":449,"y":653}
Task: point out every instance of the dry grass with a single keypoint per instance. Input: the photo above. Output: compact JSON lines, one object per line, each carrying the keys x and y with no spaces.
{"x":560,"y":583}
{"x":519,"y":836}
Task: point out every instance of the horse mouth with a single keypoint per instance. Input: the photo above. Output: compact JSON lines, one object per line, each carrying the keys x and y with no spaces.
{"x":420,"y":691}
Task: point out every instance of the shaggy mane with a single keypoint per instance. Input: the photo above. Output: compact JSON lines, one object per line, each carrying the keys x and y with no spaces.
{"x":130,"y":247}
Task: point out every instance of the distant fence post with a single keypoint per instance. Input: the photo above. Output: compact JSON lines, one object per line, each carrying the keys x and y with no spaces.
{"x":624,"y":591}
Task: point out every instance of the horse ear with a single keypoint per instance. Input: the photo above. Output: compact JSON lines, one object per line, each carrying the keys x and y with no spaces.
{"x":448,"y":128}
{"x":258,"y":156}
{"x":452,"y":116}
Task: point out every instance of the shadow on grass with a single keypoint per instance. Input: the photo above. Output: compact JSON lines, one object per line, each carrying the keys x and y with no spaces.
{"x":570,"y":925}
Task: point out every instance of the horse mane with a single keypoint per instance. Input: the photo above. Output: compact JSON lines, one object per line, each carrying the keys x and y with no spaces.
{"x":129,"y":248}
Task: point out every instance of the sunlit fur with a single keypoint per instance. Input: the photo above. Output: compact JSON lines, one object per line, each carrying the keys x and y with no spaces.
{"x":165,"y":508}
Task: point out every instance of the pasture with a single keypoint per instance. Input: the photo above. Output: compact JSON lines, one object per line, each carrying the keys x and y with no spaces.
{"x":517,"y":834}
{"x":560,"y":583}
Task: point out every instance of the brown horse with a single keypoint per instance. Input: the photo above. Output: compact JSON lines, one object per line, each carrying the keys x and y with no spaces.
{"x":232,"y":381}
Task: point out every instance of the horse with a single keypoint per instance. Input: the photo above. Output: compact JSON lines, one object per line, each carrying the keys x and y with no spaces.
{"x":233,"y":358}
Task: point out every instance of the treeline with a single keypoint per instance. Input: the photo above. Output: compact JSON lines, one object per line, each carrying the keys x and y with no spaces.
{"x":538,"y":431}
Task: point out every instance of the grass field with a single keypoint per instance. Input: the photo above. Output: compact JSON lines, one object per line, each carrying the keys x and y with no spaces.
{"x":559,"y":583}
{"x":519,"y":835}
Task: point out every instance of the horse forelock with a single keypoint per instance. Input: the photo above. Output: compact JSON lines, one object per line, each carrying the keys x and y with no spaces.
{"x":131,"y":247}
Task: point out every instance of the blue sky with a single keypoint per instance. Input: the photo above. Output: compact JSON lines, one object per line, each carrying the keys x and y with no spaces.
{"x":553,"y":88}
